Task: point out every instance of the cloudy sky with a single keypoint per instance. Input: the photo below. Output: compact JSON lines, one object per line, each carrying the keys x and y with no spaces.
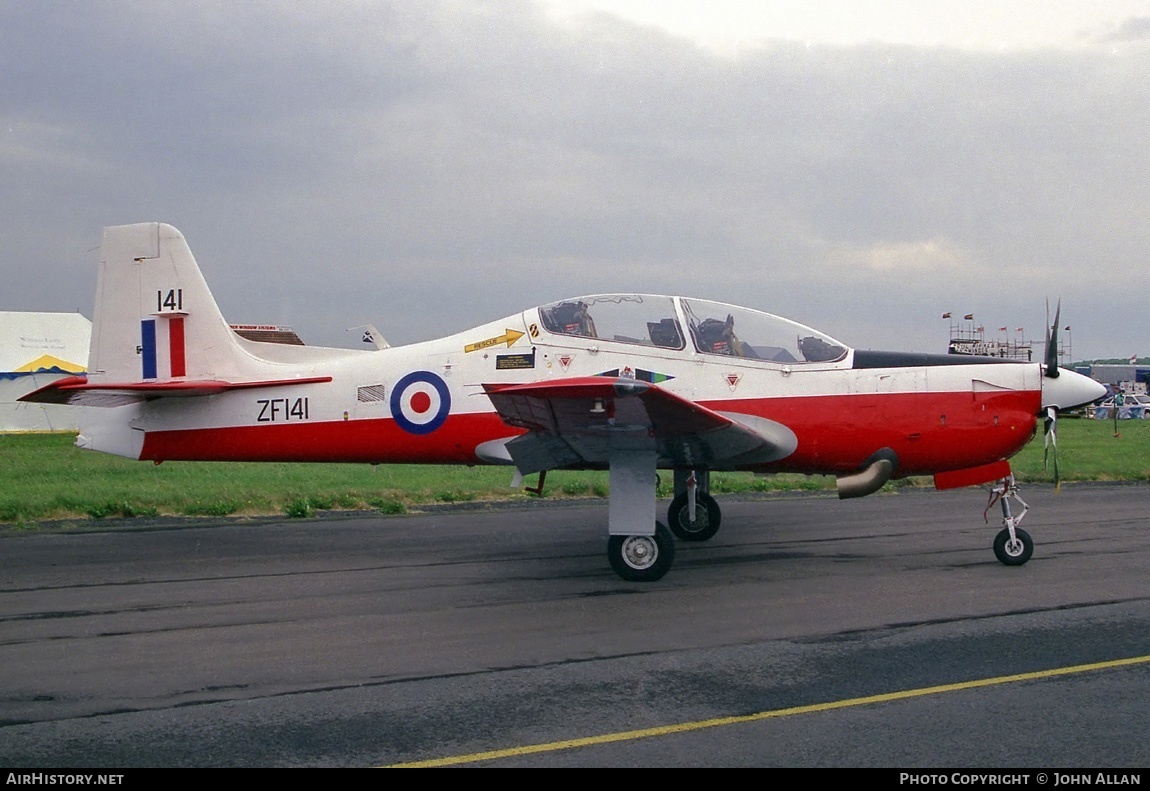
{"x":862,"y":167}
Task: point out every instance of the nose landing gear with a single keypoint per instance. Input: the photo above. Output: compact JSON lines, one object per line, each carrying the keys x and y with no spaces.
{"x":1013,"y":545}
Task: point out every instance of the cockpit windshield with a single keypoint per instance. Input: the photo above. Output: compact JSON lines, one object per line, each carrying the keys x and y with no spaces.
{"x":626,"y":318}
{"x":716,"y":328}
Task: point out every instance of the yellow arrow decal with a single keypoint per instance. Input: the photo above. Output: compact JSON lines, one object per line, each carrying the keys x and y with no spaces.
{"x":508,"y":337}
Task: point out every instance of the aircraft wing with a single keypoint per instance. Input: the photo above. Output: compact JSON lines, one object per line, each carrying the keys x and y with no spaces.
{"x":77,"y":391}
{"x":581,"y":420}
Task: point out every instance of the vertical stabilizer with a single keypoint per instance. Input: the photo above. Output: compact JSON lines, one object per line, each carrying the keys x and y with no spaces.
{"x":155,"y":319}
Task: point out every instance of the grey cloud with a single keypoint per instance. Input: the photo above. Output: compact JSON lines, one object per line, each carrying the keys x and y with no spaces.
{"x":430,"y":166}
{"x":1133,"y":29}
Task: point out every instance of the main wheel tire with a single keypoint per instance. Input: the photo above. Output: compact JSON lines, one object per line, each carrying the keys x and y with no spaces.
{"x":1013,"y":553}
{"x":642,"y":558}
{"x":707,"y":517}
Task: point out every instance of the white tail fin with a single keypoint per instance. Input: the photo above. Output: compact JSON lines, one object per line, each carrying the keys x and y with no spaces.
{"x":155,"y":318}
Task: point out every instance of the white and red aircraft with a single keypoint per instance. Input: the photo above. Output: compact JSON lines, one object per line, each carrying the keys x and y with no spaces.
{"x":632,"y":383}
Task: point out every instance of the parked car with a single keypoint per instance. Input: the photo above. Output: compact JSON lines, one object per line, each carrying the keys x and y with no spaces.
{"x":1133,"y":407}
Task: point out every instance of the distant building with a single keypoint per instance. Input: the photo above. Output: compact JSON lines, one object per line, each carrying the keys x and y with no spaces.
{"x":267,"y":333}
{"x":36,"y":349}
{"x":1124,"y":378}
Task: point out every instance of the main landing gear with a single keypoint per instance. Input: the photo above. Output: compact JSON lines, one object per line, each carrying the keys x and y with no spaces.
{"x":642,"y":558}
{"x":694,"y":515}
{"x":1013,"y":545}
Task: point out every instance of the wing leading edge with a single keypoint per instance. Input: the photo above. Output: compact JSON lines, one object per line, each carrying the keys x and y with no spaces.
{"x":583,"y":420}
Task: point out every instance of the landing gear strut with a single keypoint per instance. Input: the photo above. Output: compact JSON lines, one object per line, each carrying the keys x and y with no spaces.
{"x":638,"y":553}
{"x":639,"y":548}
{"x":694,"y":514}
{"x":1013,"y":545}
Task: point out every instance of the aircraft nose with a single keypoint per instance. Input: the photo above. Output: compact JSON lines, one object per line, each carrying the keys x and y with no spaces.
{"x":1069,"y":390}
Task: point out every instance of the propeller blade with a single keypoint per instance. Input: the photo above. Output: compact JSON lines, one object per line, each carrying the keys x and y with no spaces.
{"x":1049,"y":442}
{"x":1052,"y":344}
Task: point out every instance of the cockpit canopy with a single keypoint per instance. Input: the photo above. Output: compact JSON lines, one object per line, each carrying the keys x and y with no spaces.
{"x":710,"y":327}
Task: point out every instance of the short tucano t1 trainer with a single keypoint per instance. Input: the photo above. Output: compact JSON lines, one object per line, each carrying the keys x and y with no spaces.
{"x":632,"y":383}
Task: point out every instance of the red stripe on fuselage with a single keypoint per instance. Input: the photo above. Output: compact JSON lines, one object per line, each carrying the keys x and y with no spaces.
{"x":378,"y":440}
{"x":930,"y":432}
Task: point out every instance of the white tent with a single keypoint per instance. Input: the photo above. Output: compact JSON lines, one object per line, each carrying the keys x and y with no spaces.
{"x":35,"y":349}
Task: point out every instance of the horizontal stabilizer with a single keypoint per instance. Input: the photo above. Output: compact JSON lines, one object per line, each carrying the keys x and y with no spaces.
{"x":77,"y":391}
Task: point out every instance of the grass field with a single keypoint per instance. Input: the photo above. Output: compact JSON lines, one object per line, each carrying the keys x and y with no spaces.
{"x":43,"y":476}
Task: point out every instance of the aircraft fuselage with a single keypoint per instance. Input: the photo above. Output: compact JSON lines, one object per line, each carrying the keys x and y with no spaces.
{"x":936,"y":417}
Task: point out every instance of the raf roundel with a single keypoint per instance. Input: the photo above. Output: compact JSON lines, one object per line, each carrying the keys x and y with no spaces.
{"x":420,"y":402}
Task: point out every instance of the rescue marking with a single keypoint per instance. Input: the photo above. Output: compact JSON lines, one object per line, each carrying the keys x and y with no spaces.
{"x":509,"y":337}
{"x":420,"y":402}
{"x":698,"y":725}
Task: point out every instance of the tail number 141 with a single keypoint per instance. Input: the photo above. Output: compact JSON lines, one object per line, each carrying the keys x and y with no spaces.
{"x":170,"y":300}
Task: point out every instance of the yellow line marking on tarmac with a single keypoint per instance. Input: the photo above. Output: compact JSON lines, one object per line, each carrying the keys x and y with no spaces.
{"x":685,"y":727}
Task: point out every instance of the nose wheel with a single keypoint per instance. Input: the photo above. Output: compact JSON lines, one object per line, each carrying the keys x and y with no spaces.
{"x":1013,"y":550}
